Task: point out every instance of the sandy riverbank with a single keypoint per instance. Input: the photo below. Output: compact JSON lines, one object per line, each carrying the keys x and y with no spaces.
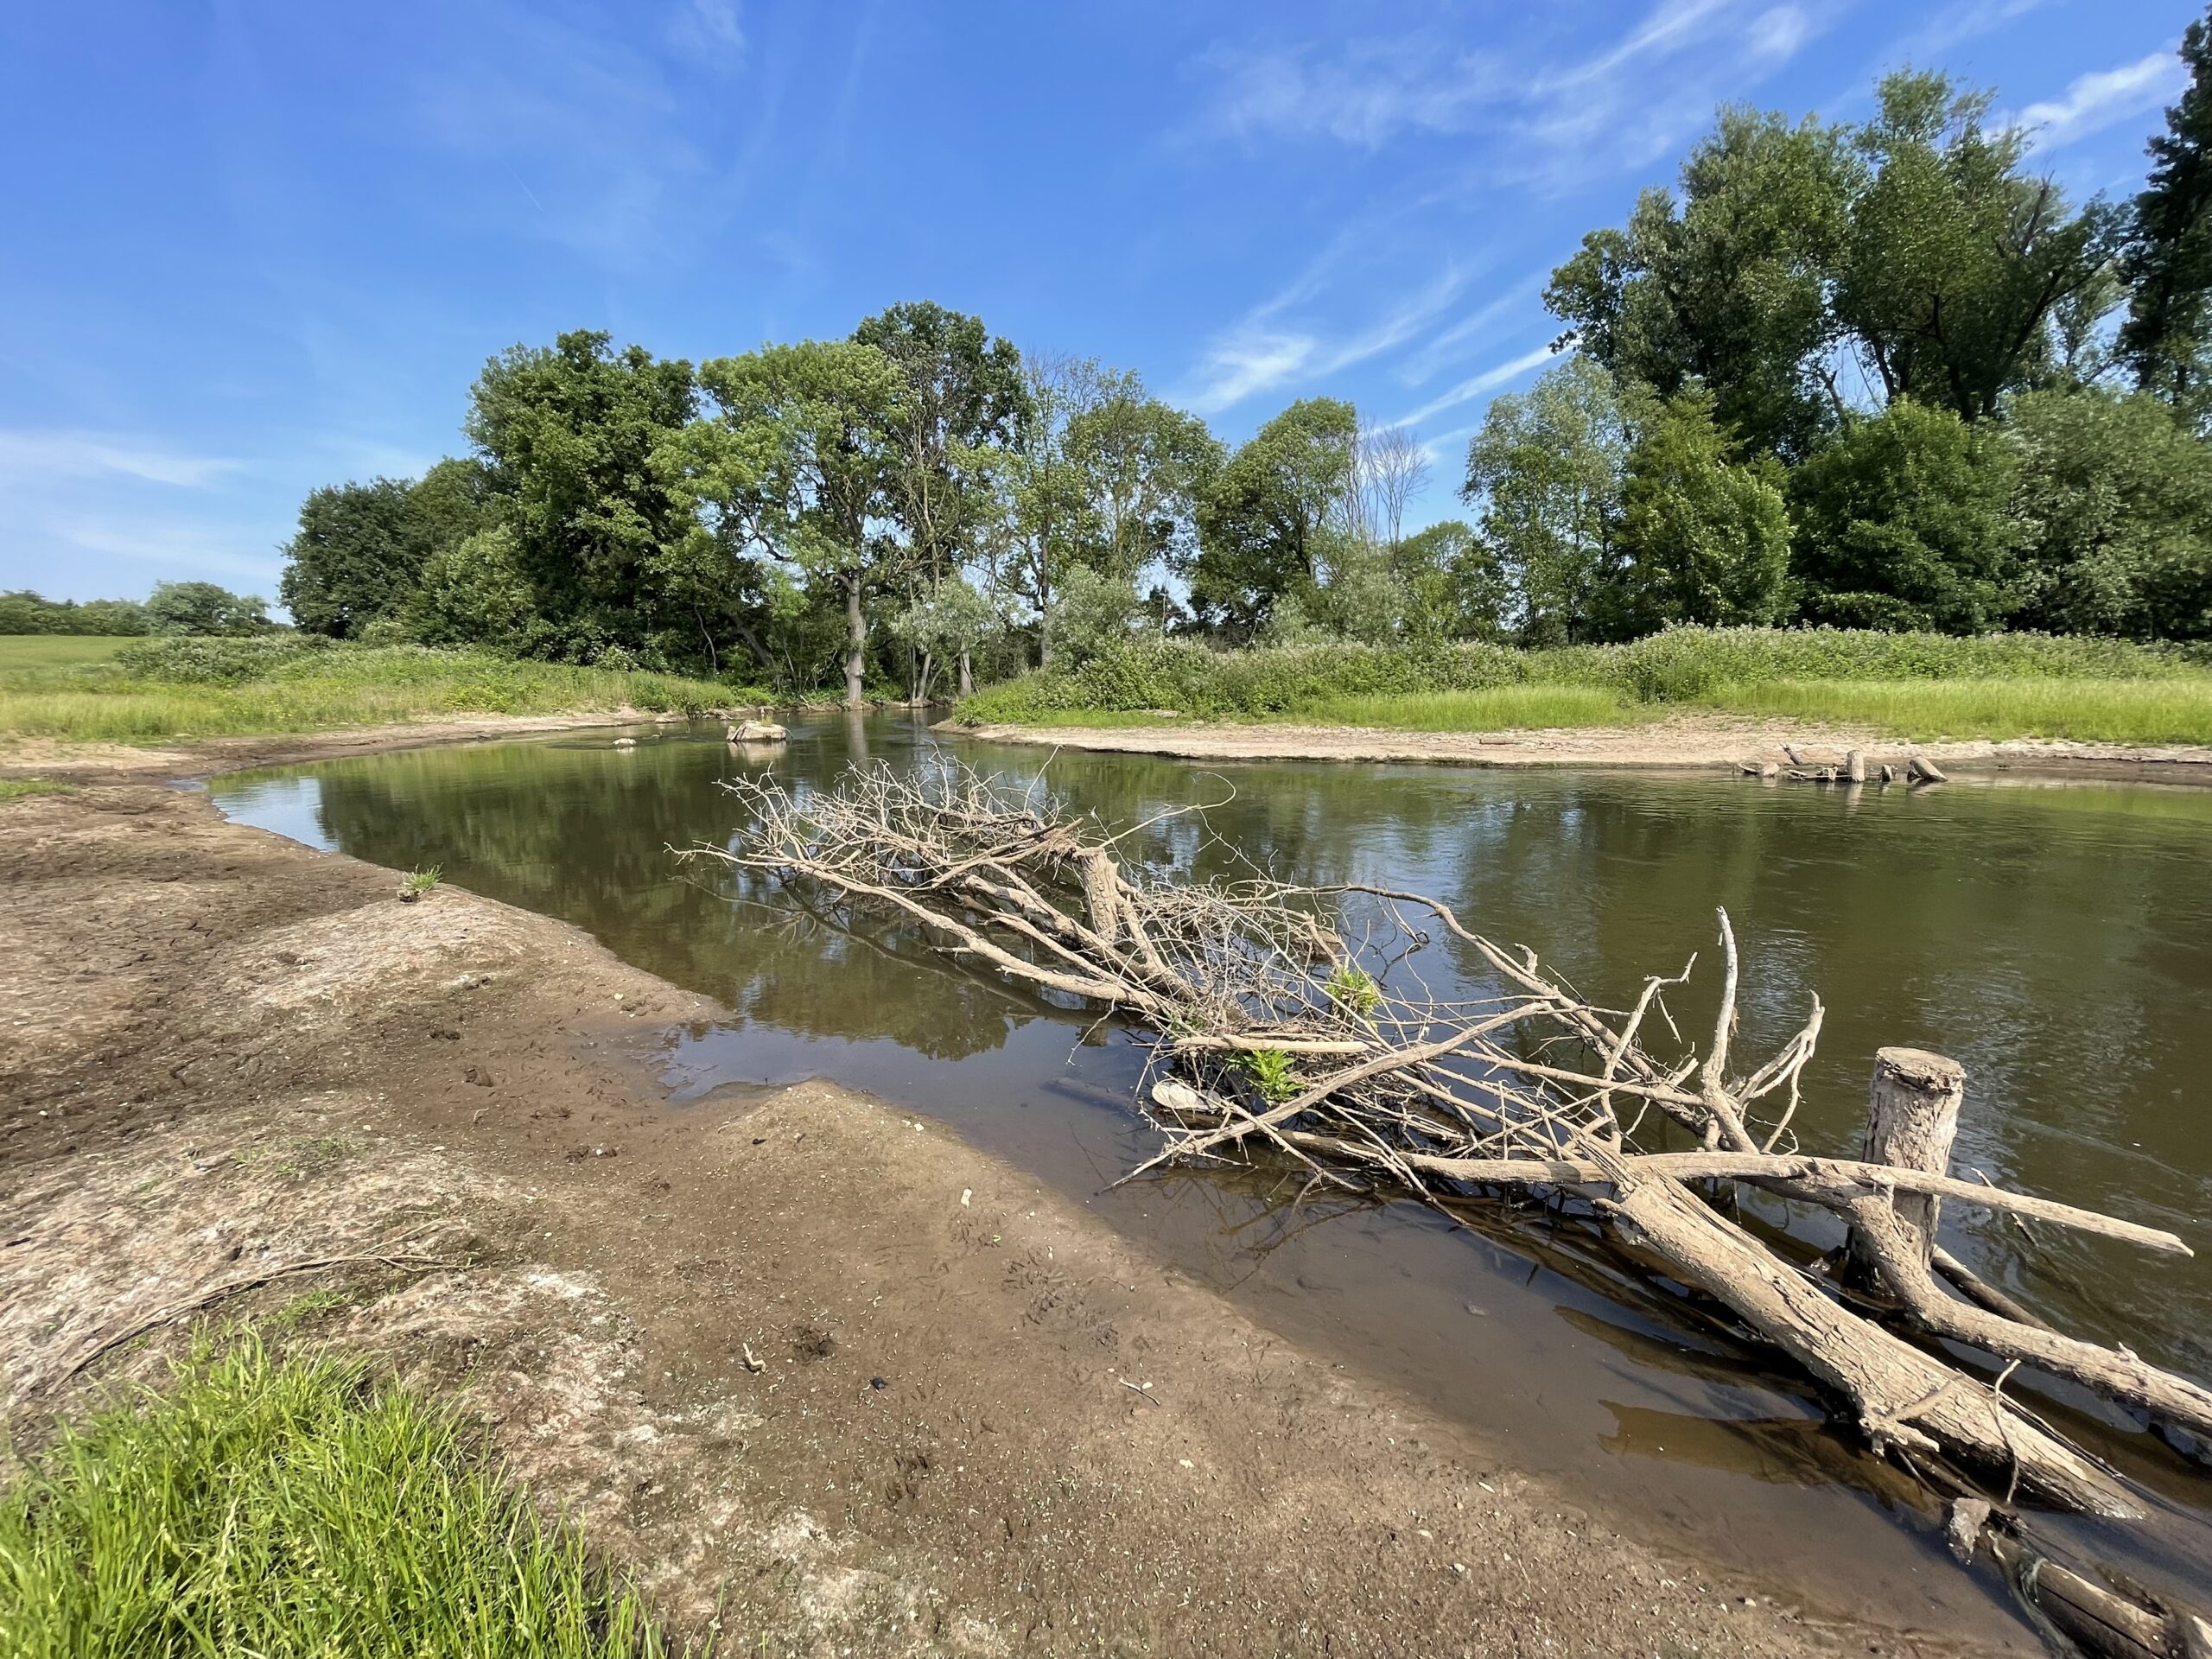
{"x":979,"y":1423}
{"x":1686,"y":742}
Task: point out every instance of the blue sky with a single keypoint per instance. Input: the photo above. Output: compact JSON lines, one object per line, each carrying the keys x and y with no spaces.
{"x":249,"y":248}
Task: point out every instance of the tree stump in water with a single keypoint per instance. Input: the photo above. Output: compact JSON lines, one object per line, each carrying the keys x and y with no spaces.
{"x":1912,"y":1117}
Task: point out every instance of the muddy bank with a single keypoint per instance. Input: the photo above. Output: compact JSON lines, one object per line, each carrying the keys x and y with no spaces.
{"x":797,"y":1354}
{"x":1707,"y":742}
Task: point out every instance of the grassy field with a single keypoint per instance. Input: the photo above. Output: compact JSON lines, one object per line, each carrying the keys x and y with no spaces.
{"x":22,"y":652}
{"x":1914,"y":685}
{"x":267,"y":1507}
{"x":154,"y":690}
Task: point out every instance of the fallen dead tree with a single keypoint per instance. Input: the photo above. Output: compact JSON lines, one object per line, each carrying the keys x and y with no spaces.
{"x":1278,"y":1031}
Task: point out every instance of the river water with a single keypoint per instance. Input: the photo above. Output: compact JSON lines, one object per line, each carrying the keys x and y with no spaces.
{"x":2056,"y":939}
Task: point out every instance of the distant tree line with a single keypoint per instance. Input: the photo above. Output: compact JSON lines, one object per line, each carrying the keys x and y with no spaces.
{"x":1875,"y":374}
{"x":176,"y":607}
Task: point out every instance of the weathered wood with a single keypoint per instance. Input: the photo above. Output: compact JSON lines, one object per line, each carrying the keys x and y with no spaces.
{"x":1922,"y":770}
{"x":1854,"y":764}
{"x":1905,"y":1399}
{"x":1912,"y":1118}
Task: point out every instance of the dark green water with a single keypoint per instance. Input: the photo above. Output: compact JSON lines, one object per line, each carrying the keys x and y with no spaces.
{"x":2057,"y":940}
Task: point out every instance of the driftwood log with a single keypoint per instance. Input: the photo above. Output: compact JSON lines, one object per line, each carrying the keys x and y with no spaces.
{"x":1280,"y":1028}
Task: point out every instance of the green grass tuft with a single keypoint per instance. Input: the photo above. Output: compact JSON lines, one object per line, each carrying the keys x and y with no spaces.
{"x":267,"y":1507}
{"x":416,"y":883}
{"x":15,"y":788}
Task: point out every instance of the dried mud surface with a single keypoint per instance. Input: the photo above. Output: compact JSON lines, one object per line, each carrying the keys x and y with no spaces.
{"x":1707,"y":742}
{"x":794,"y":1355}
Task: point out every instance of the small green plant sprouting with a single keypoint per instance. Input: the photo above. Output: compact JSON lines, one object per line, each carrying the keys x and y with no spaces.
{"x":416,"y":883}
{"x":301,"y":1309}
{"x":1270,"y":1070}
{"x":1353,"y":990}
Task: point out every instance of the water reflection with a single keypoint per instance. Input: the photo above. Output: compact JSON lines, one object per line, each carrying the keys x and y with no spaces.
{"x":2057,"y":941}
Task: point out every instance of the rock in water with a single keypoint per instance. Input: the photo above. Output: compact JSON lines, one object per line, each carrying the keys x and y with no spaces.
{"x":626,"y":742}
{"x":756,"y":731}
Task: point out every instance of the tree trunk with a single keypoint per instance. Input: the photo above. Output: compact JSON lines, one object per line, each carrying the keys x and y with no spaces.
{"x":1912,"y":1117}
{"x":1044,"y":625}
{"x":856,"y":642}
{"x":967,"y":674}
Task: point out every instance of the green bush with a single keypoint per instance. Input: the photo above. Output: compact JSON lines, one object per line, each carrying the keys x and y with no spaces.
{"x":1679,"y":666}
{"x":193,"y":659}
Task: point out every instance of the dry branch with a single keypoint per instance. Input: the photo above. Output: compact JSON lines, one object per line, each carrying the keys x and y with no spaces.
{"x":1236,"y":986}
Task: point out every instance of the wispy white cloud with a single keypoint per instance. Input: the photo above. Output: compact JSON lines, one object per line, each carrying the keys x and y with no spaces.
{"x":1557,"y":123}
{"x":1463,"y":337}
{"x":1261,"y":351}
{"x":1474,"y":385}
{"x":1956,"y":24}
{"x":2097,"y":100}
{"x":26,"y":454}
{"x":707,"y":30}
{"x":177,"y":549}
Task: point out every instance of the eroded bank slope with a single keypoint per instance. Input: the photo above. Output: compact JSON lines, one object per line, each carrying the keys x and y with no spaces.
{"x":798,"y":1357}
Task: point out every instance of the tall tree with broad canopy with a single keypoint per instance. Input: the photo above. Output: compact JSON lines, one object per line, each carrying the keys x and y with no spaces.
{"x":1728,"y":284}
{"x":1956,"y":262}
{"x":1547,"y":473}
{"x":961,"y":397}
{"x":361,"y":549}
{"x":2167,"y":338}
{"x":1269,"y":515}
{"x":1705,"y":537}
{"x":798,"y":463}
{"x":1902,"y":522}
{"x":568,"y":434}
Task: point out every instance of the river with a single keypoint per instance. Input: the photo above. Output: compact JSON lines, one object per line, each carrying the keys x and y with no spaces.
{"x":2056,"y":938}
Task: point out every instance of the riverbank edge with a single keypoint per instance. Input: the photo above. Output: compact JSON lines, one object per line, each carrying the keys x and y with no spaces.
{"x":337,"y":982}
{"x":1679,"y":743}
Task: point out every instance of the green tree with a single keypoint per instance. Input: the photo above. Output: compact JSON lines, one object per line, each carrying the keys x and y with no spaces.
{"x":474,"y":593}
{"x":1456,"y":588}
{"x":1903,"y":522}
{"x":1141,"y":466}
{"x":949,"y":624}
{"x":2113,"y":501}
{"x":1956,"y":263}
{"x":25,"y":612}
{"x":1045,"y":522}
{"x":797,"y":464}
{"x":1547,"y":472}
{"x":961,"y":399}
{"x":568,"y":434}
{"x":1270,"y":514}
{"x":2167,"y":338}
{"x":1728,"y":284}
{"x":1093,"y":612}
{"x":202,"y":607}
{"x":360,"y":548}
{"x":1706,"y":536}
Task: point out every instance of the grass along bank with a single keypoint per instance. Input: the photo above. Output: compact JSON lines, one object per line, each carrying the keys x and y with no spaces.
{"x":260,"y":1505}
{"x":149,"y":690}
{"x":1925,"y":686}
